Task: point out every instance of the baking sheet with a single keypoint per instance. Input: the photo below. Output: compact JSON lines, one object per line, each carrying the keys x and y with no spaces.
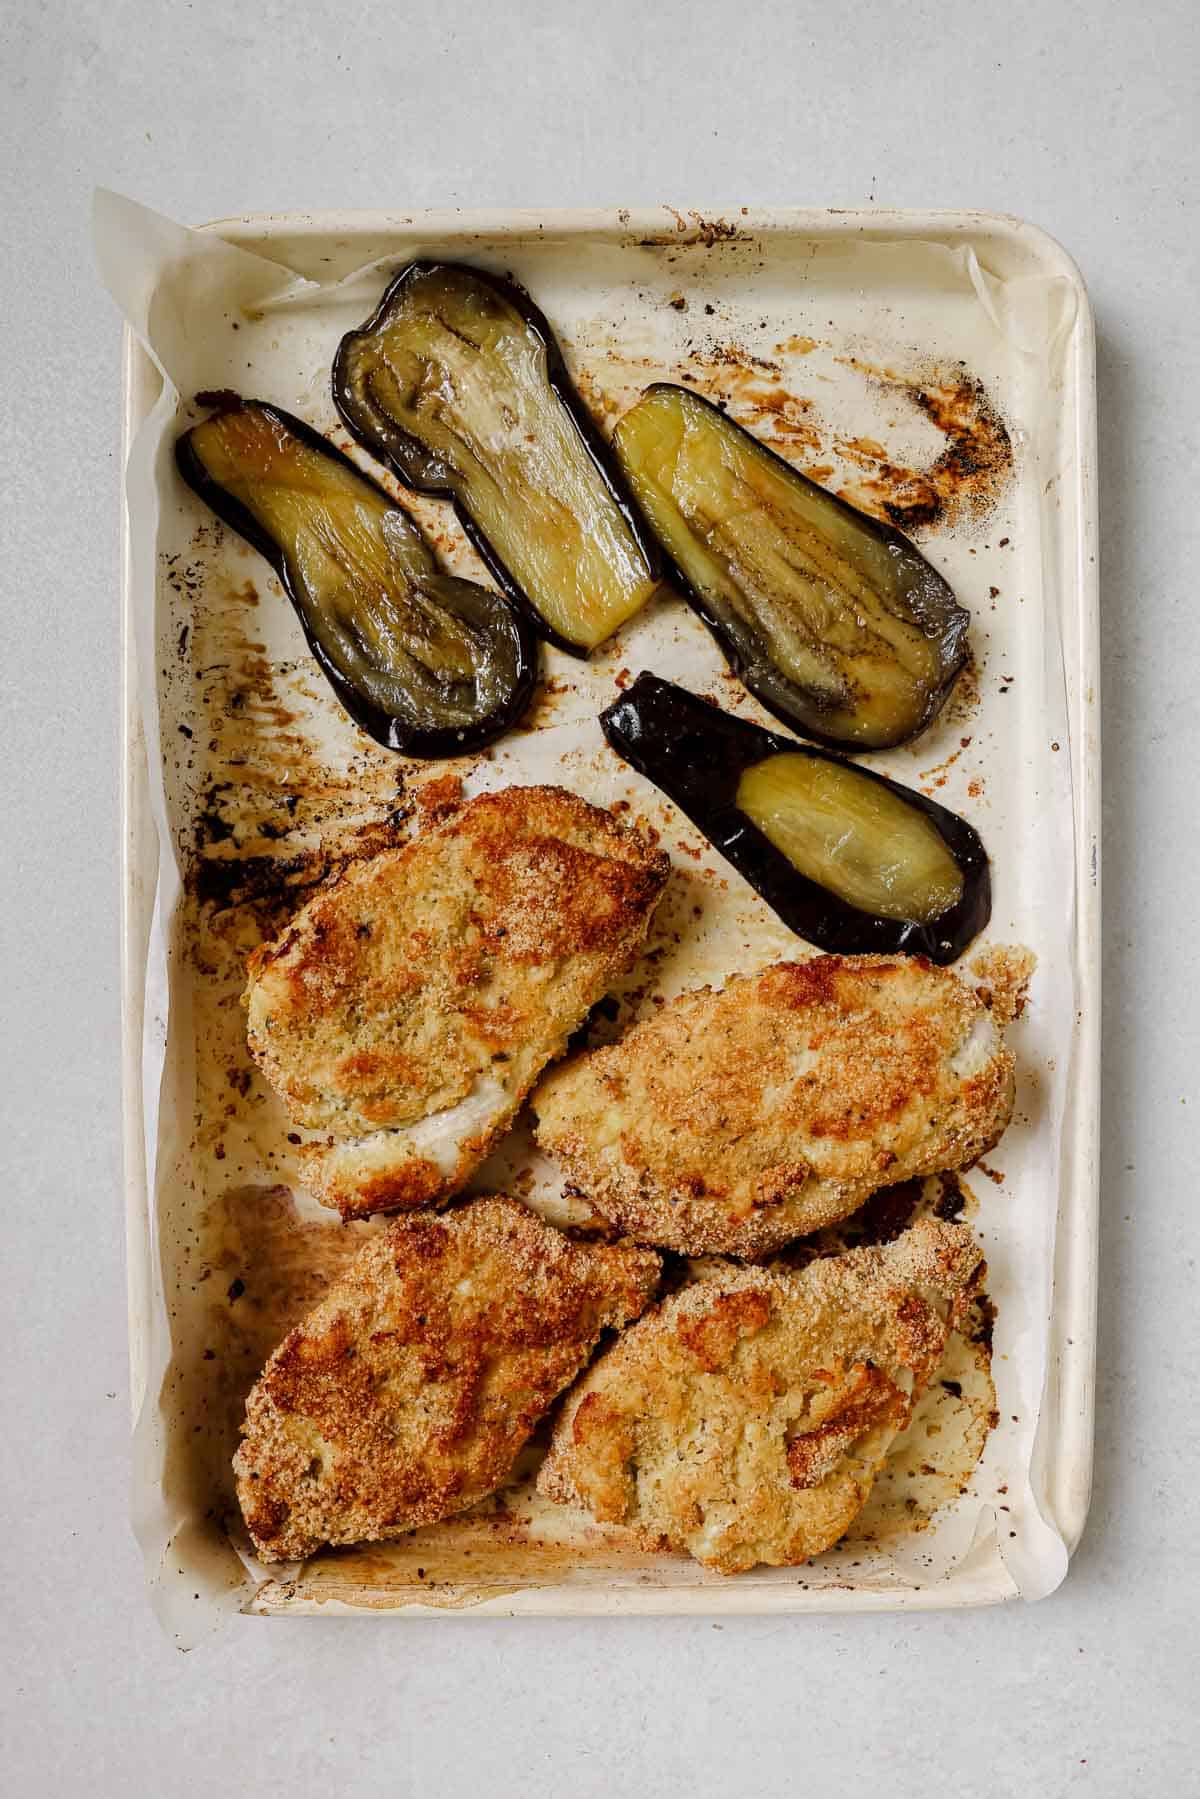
{"x":887,"y":359}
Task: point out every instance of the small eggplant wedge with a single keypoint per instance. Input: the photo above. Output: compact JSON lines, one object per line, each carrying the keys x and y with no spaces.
{"x":457,"y":382}
{"x":834,"y":621}
{"x":428,"y":664}
{"x":849,"y":860}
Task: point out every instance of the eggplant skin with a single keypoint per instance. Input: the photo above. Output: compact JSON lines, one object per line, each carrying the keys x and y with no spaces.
{"x":696,"y":754}
{"x":873,"y":634}
{"x":488,"y":613}
{"x":421,"y":468}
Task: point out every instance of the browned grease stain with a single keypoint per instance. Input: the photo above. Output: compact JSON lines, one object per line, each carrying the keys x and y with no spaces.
{"x":543,"y":709}
{"x":276,"y":885}
{"x":469,"y":1557}
{"x":938,"y":775}
{"x":965,"y":478}
{"x":695,"y":228}
{"x":267,"y":808}
{"x":966,"y":694}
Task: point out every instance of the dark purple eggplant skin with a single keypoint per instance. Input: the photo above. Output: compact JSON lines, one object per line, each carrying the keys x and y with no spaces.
{"x":434,"y":744}
{"x":886,"y":534}
{"x":696,"y":754}
{"x":563,"y":386}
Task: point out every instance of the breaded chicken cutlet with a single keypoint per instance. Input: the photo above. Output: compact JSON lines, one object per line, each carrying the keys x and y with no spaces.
{"x":408,"y":1392}
{"x":732,"y":1122}
{"x":745,"y":1419}
{"x":407,"y":1010}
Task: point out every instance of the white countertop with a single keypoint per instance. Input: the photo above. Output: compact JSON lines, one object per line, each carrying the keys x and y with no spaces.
{"x":1082,"y":119}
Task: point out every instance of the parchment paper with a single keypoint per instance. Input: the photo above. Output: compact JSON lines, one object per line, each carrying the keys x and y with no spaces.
{"x":851,"y":332}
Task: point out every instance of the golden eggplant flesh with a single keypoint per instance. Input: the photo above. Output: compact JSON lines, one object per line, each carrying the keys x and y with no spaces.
{"x":849,"y":860}
{"x":457,"y":382}
{"x":834,"y":621}
{"x":429,"y":664}
{"x":857,"y":838}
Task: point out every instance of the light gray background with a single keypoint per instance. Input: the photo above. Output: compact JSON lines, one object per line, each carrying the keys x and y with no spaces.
{"x":1083,"y":118}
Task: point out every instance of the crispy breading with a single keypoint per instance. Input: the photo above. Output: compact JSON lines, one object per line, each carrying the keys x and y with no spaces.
{"x":734,"y":1121}
{"x":745,"y":1419}
{"x":408,"y":1392}
{"x":407,"y":1010}
{"x":1003,"y":972}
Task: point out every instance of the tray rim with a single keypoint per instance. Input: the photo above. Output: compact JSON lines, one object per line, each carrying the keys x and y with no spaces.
{"x":1070,"y":1381}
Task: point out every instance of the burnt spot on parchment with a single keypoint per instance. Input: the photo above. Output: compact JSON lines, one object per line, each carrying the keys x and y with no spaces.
{"x":963,"y":482}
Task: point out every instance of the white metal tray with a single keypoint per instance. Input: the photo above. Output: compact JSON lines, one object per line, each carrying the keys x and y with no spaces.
{"x":819,"y":329}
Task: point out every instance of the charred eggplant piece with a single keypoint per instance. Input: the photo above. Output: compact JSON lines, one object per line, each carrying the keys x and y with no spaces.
{"x":428,"y":664}
{"x":457,"y":382}
{"x":849,"y":860}
{"x":834,"y":621}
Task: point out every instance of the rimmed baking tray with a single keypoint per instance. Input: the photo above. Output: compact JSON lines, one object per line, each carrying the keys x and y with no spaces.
{"x":828,"y":331}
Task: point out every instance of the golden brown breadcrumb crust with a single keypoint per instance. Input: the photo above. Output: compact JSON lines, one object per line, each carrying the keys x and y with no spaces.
{"x":1002,"y":973}
{"x":745,"y":1418}
{"x":445,"y":973}
{"x":408,"y":1392}
{"x":732,"y":1122}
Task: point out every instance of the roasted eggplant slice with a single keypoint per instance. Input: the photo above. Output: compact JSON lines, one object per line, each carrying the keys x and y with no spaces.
{"x":848,"y":859}
{"x":428,"y":664}
{"x":457,"y":382}
{"x":836,"y":622}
